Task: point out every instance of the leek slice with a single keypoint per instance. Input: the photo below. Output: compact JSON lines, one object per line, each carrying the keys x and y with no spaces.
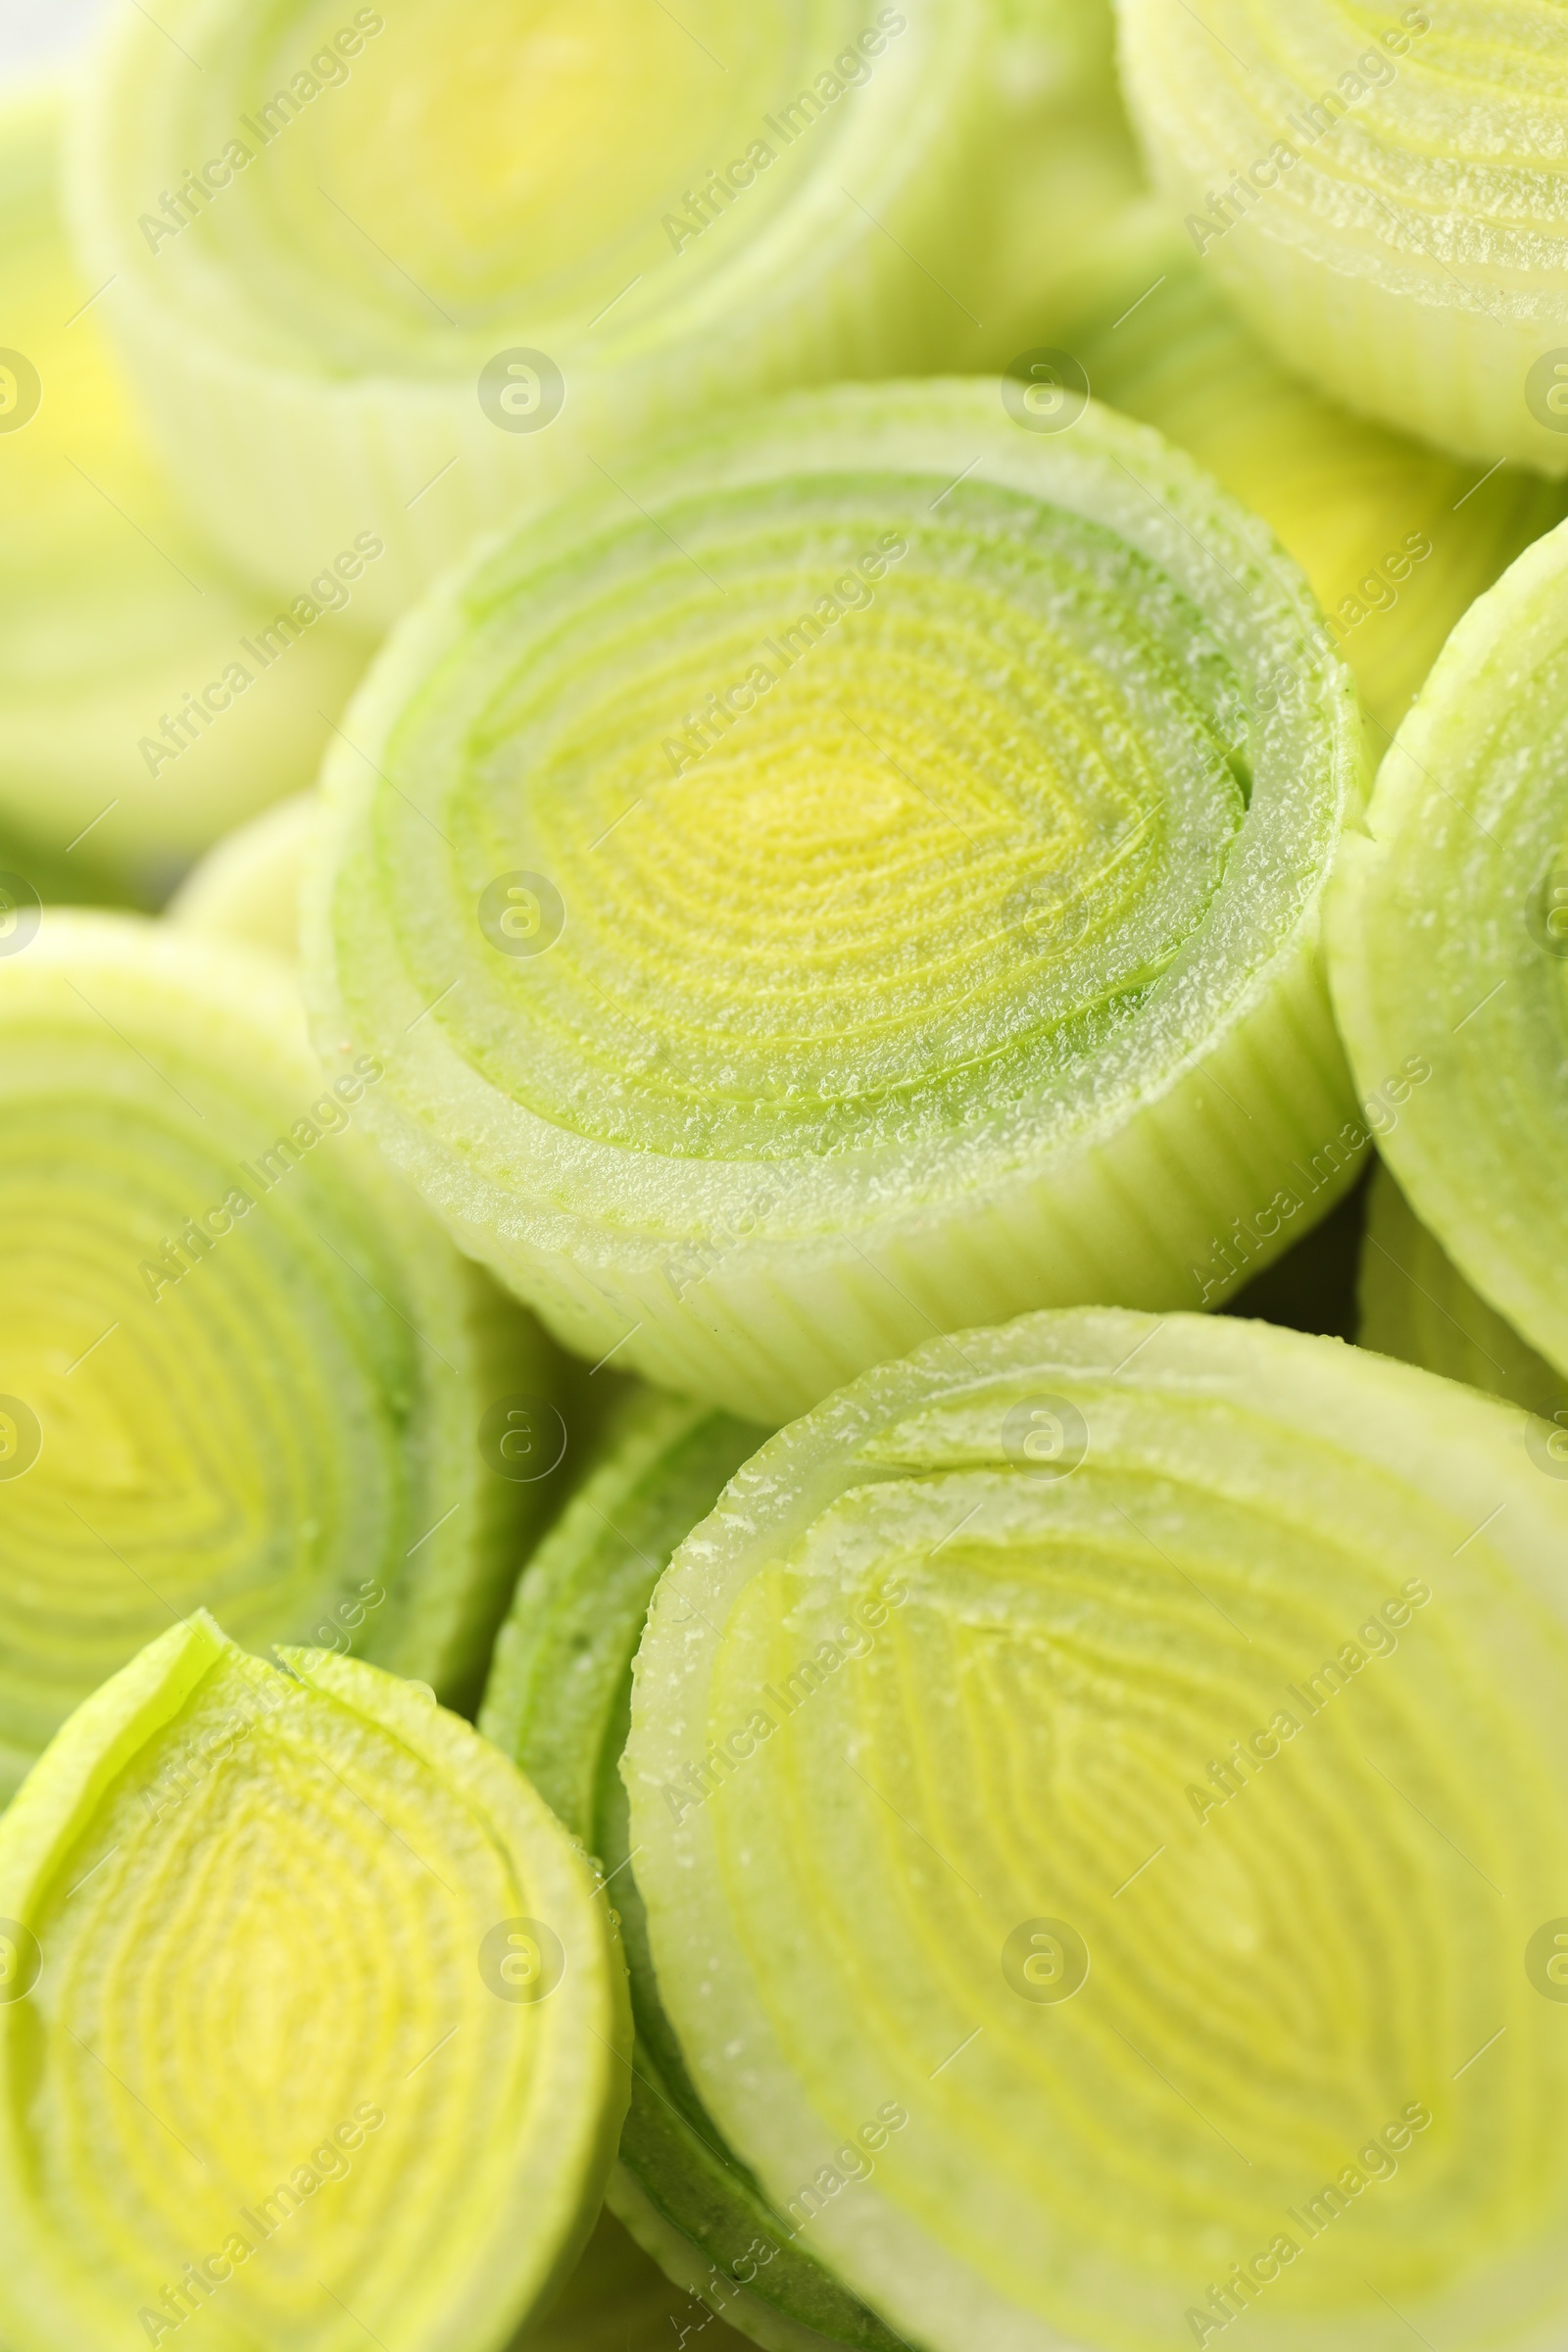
{"x":280,"y":2072}
{"x":248,"y":886}
{"x":754,"y":1039}
{"x":1382,"y":192}
{"x":1449,"y":932}
{"x":143,"y":707}
{"x":239,"y":1363}
{"x":1068,"y":1947}
{"x":558,"y":1702}
{"x":1396,"y":540}
{"x":1417,"y":1305}
{"x":434,"y":268}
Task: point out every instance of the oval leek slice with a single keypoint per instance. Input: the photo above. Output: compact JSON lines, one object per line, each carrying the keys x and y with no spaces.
{"x":1417,"y":1305}
{"x":239,"y":1363}
{"x":328,"y":2039}
{"x":1449,"y":934}
{"x":248,"y":886}
{"x":558,"y":1702}
{"x":1383,"y":195}
{"x":150,"y":698}
{"x":380,"y":270}
{"x":1397,"y":539}
{"x":1098,"y":1790}
{"x":842,"y":893}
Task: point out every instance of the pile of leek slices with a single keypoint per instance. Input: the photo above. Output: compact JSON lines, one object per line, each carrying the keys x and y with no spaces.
{"x":784,"y":1178}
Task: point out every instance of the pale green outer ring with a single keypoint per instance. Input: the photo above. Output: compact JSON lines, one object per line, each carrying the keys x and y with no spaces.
{"x":1432,"y":953}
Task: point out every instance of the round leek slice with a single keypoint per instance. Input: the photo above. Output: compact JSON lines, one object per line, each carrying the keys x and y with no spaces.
{"x":149,"y":697}
{"x":239,"y":1363}
{"x":1417,"y":1305}
{"x":1380,"y":190}
{"x":871,"y":884}
{"x":1398,"y":540}
{"x":558,"y":1702}
{"x":248,"y":887}
{"x":317,"y":2032}
{"x":1100,"y":1800}
{"x":1449,"y":930}
{"x":384,"y":269}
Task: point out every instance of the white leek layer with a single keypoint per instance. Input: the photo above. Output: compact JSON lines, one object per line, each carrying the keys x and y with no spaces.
{"x":150,"y":698}
{"x":240,"y":1365}
{"x":1449,"y":930}
{"x":1099,"y":1789}
{"x":963,"y":957}
{"x":1382,"y":192}
{"x":314,"y":2027}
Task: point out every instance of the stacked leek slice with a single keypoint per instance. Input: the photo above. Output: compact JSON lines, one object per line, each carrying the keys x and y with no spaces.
{"x":400,"y":271}
{"x":239,"y":1364}
{"x":868,"y":878}
{"x":1449,"y":932}
{"x":1397,"y":539}
{"x":1382,"y":192}
{"x":309,"y":1998}
{"x":1100,"y":1803}
{"x":560,"y":1702}
{"x":149,"y":698}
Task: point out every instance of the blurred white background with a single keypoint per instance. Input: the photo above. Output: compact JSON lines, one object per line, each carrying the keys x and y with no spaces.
{"x":32,"y":32}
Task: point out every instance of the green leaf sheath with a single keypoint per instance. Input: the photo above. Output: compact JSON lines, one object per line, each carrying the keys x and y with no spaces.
{"x":643,"y":217}
{"x":239,"y":1363}
{"x":559,"y":1702}
{"x":1099,"y":1797}
{"x":1380,"y":191}
{"x":869,"y":881}
{"x":1449,"y":930}
{"x":1397,"y":539}
{"x":144,"y":707}
{"x":309,"y":2002}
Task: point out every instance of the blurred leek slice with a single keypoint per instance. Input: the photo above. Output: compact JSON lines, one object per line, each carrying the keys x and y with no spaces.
{"x":1396,"y":540}
{"x":248,"y":885}
{"x":558,"y":1702}
{"x":239,"y":1364}
{"x":1382,"y":191}
{"x":1417,"y":1305}
{"x":1449,"y":931}
{"x":1098,"y":1789}
{"x":318,"y":2034}
{"x":403,"y":271}
{"x":149,"y":698}
{"x":870,"y":882}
